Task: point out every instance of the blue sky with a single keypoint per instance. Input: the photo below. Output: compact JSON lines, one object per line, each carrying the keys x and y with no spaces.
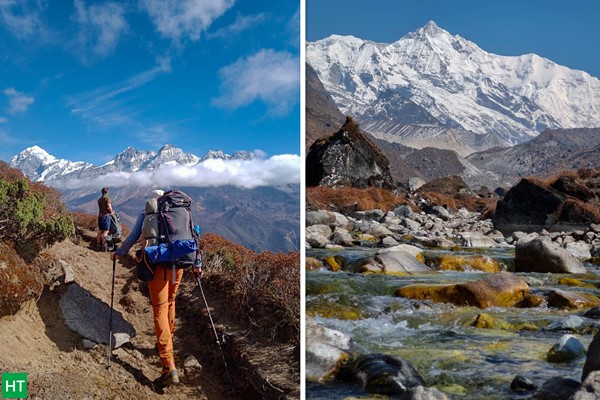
{"x":565,"y":32}
{"x":85,"y":79}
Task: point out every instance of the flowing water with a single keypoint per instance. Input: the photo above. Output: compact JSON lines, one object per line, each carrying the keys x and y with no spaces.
{"x":439,"y":339}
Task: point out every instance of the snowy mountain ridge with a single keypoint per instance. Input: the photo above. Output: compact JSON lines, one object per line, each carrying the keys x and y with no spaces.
{"x":38,"y":165}
{"x":430,"y":77}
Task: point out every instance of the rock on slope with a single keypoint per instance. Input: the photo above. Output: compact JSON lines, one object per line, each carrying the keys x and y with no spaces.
{"x":347,"y":158}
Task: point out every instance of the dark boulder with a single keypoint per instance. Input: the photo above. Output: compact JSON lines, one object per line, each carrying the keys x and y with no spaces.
{"x":592,"y":361}
{"x":527,"y":203}
{"x":540,"y":255}
{"x":347,"y":158}
{"x":566,"y":202}
{"x":382,"y":374}
{"x":557,"y":389}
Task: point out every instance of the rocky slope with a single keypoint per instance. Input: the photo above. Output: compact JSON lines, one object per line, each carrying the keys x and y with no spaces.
{"x":554,"y":150}
{"x":322,"y":115}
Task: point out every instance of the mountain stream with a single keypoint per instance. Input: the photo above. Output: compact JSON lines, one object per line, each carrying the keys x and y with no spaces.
{"x":439,"y":339}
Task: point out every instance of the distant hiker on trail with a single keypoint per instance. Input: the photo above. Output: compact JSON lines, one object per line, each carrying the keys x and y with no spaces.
{"x":162,"y":285}
{"x":104,"y":212}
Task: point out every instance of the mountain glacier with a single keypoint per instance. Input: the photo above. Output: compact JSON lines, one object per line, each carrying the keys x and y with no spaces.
{"x":430,"y":77}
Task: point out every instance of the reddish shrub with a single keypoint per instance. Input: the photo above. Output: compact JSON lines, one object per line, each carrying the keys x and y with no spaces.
{"x":265,"y":285}
{"x":346,"y":200}
{"x":19,"y":283}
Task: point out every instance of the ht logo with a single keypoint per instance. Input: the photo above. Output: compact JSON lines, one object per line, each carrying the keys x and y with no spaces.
{"x":14,"y":385}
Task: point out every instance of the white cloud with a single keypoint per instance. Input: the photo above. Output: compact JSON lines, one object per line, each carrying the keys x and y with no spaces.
{"x":23,"y":18}
{"x":269,"y":76}
{"x":100,"y":28}
{"x":184,"y":19}
{"x":241,"y":24}
{"x":3,"y":120}
{"x":18,"y":102}
{"x":277,"y":170}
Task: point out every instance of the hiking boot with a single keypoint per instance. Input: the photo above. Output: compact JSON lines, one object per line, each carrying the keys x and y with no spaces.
{"x":167,"y":378}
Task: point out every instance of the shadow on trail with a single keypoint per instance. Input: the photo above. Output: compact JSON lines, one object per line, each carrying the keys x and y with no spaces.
{"x":55,"y":327}
{"x":138,"y":374}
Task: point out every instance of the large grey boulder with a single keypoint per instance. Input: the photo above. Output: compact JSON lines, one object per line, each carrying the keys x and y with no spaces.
{"x":319,"y":218}
{"x":89,"y":317}
{"x":394,"y":260}
{"x":476,"y":239}
{"x":342,"y":237}
{"x":579,"y":249}
{"x":318,"y":235}
{"x":541,"y":255}
{"x":325,"y":349}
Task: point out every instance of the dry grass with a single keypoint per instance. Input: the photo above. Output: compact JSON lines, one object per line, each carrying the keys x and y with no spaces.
{"x":19,"y":283}
{"x":577,"y":211}
{"x":454,"y":203}
{"x":347,"y":200}
{"x":265,"y":286}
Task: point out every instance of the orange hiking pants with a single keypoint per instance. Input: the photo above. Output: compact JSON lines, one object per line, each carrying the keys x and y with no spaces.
{"x":162,"y":297}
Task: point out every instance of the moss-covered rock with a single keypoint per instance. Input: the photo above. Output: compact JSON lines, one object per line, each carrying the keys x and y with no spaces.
{"x":452,"y":262}
{"x":313,"y":264}
{"x":335,"y":310}
{"x":335,"y":263}
{"x":502,"y":289}
{"x":566,"y":281}
{"x":534,"y":301}
{"x":566,"y":299}
{"x":487,"y":321}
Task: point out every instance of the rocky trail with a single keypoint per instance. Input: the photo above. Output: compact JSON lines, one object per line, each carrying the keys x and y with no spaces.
{"x":37,"y":340}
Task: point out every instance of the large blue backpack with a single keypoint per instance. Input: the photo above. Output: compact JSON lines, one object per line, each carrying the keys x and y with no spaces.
{"x":169,"y":235}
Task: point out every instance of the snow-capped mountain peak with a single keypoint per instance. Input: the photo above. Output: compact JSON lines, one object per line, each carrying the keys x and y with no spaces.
{"x":36,"y":152}
{"x":431,"y":29}
{"x":38,"y":165}
{"x":433,"y":77}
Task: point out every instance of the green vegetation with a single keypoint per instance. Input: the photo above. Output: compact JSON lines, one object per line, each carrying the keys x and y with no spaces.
{"x":32,"y":217}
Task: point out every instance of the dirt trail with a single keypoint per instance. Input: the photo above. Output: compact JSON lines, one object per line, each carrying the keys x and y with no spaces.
{"x":37,"y":341}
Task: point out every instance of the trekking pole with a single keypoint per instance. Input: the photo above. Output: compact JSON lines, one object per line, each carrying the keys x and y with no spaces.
{"x":216,"y":335}
{"x":110,"y":319}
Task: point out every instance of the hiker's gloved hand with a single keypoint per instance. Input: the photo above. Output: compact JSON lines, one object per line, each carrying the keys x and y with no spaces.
{"x":115,"y":256}
{"x":197,"y":271}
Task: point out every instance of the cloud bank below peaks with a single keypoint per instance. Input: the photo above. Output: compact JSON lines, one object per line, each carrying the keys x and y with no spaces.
{"x":274,"y":171}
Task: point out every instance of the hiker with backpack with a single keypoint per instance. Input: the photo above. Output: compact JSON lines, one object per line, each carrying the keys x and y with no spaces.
{"x":104,"y":212}
{"x":169,"y":245}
